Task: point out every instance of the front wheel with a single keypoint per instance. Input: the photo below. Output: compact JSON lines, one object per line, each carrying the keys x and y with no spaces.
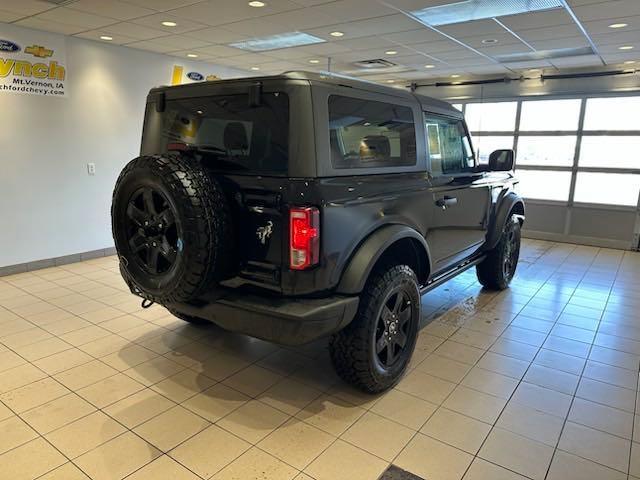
{"x":497,"y":270}
{"x":373,"y":351}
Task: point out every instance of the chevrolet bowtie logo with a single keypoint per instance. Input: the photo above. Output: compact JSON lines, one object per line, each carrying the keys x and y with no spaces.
{"x":38,"y":51}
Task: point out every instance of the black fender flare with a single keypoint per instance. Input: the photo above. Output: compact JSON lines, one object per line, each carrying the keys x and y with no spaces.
{"x":369,"y":252}
{"x":505,"y":206}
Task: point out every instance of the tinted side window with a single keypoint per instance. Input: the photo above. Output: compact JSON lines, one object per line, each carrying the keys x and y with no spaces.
{"x":448,"y":146}
{"x":366,"y":133}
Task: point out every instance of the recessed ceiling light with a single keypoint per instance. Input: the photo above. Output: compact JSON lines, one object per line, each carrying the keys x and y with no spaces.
{"x":534,"y":70}
{"x":336,"y":34}
{"x":255,"y":68}
{"x":192,"y":55}
{"x":274,"y":42}
{"x":626,"y":47}
{"x":618,"y":25}
{"x":257,"y":4}
{"x":455,"y":75}
{"x":489,"y":41}
{"x":390,"y":81}
{"x":390,"y":52}
{"x":429,"y":66}
{"x":106,"y":37}
{"x":169,"y":24}
{"x":629,"y":62}
{"x":313,"y":60}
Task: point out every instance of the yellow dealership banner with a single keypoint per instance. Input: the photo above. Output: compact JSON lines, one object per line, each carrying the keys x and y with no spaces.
{"x":32,"y":63}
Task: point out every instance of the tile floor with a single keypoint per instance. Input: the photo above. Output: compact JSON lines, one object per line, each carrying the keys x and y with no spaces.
{"x":538,"y":382}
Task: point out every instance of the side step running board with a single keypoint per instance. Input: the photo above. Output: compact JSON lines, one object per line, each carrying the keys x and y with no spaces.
{"x":440,"y":279}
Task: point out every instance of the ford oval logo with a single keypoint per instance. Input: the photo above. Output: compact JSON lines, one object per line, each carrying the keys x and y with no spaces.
{"x":7,"y":46}
{"x":195,"y":76}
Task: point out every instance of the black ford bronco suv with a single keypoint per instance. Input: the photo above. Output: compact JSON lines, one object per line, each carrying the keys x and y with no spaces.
{"x":305,"y":205}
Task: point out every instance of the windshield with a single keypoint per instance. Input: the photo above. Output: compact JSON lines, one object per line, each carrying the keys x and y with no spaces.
{"x":228,"y":132}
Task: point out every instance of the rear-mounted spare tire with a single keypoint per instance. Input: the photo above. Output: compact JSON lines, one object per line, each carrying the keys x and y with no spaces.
{"x":172,"y":228}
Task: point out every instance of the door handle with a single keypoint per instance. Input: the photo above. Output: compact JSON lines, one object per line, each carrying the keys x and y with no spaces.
{"x":446,"y":202}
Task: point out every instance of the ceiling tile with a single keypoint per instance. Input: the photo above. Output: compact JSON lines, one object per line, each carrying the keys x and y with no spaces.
{"x":155,"y":21}
{"x":503,"y":38}
{"x":364,"y":28}
{"x":7,"y":17}
{"x":152,"y":46}
{"x":529,"y":64}
{"x":364,"y":43}
{"x":49,"y":26}
{"x":537,"y":20}
{"x":112,"y":9}
{"x":618,"y":58}
{"x":504,"y":49}
{"x":581,"y":61}
{"x":609,"y":9}
{"x":617,"y":38}
{"x":433,"y":48}
{"x":256,"y":27}
{"x":96,"y":34}
{"x":419,"y":35}
{"x":410,"y":5}
{"x":301,"y":19}
{"x":471,"y":29}
{"x":25,"y":7}
{"x":219,"y":12}
{"x":219,"y":51}
{"x":350,"y":10}
{"x":602,"y":26}
{"x":75,"y":17}
{"x":547,"y":33}
{"x":162,"y":5}
{"x":216,"y":35}
{"x":570,"y":42}
{"x":288,"y":53}
{"x":134,"y":31}
{"x":181,"y":42}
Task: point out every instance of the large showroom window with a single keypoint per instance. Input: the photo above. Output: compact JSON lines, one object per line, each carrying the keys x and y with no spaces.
{"x":574,"y":150}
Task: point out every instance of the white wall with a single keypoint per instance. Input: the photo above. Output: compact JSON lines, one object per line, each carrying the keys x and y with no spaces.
{"x":49,"y":205}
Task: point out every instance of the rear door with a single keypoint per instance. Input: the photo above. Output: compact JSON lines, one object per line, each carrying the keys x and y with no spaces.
{"x":461,"y":195}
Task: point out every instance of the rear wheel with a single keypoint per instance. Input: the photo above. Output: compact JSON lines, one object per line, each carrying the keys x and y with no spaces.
{"x":373,"y":351}
{"x":497,"y":270}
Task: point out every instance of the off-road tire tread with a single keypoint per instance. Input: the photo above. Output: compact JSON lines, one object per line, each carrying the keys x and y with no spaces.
{"x":489,"y":271}
{"x":207,"y":217}
{"x":348,"y":347}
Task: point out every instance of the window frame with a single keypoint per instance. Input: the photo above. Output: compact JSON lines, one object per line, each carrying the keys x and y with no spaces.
{"x":341,"y":138}
{"x":320,"y":105}
{"x":464,"y":173}
{"x":575,"y":168}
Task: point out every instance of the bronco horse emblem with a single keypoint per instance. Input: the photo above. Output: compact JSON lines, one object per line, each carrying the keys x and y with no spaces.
{"x":263,"y":233}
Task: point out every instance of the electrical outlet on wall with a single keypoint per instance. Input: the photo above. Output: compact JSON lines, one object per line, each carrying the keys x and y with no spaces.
{"x":91,"y":168}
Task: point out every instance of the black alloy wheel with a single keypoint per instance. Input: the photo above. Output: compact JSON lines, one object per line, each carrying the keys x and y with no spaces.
{"x":510,"y":254}
{"x":392,"y":328}
{"x":152,"y":232}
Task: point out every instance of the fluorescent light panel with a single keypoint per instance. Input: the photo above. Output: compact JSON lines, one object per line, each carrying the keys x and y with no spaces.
{"x":274,"y":42}
{"x":480,"y":9}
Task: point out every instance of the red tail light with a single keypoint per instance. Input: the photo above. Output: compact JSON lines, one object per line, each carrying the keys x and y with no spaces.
{"x":304,"y":237}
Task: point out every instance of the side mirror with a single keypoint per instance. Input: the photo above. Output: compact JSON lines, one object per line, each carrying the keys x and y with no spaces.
{"x":501,"y":161}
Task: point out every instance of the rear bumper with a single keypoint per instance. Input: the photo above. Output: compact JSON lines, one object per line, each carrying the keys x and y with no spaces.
{"x":287,"y":321}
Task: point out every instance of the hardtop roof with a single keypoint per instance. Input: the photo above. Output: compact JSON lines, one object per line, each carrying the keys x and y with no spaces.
{"x":427,"y":103}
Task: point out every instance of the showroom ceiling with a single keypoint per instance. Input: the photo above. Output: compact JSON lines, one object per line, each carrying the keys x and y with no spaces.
{"x":562,"y":34}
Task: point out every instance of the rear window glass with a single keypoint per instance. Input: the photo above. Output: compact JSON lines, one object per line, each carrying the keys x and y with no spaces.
{"x":230,"y":133}
{"x":368,"y":134}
